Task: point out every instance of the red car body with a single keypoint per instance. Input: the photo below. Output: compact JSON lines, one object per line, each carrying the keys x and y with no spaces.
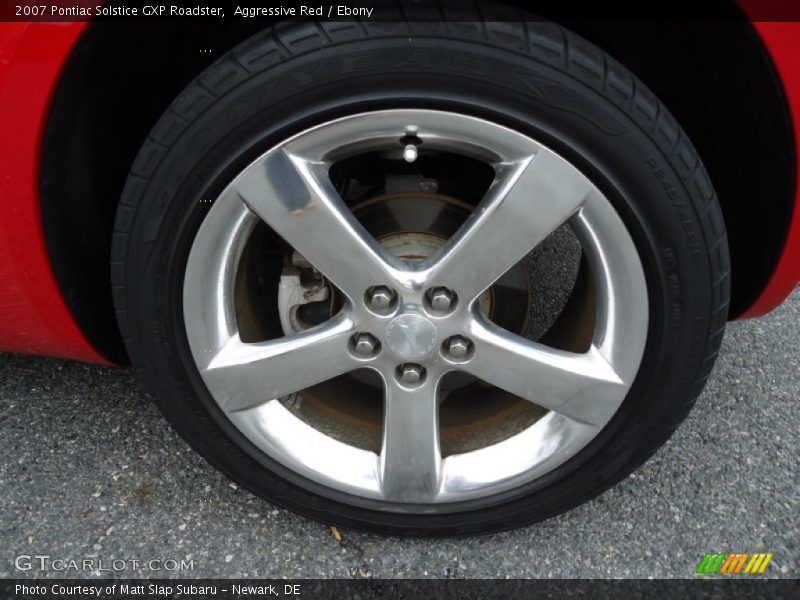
{"x":34,"y":316}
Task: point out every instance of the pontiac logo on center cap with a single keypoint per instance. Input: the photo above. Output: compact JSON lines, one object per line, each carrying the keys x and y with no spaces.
{"x":411,"y":337}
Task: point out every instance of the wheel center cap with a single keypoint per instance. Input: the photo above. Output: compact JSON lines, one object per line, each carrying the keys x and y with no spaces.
{"x":411,"y":337}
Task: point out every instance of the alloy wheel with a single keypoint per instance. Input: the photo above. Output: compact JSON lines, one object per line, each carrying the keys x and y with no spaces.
{"x":412,"y":322}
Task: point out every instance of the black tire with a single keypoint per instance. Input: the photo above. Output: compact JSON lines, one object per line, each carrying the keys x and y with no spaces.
{"x":534,"y":77}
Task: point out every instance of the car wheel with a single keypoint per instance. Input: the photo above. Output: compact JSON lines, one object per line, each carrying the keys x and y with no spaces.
{"x":425,"y":283}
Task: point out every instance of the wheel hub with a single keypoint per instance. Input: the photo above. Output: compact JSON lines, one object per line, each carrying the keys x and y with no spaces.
{"x":411,"y":337}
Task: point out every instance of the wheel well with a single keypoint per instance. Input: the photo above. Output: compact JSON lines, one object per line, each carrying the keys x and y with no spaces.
{"x":716,"y":78}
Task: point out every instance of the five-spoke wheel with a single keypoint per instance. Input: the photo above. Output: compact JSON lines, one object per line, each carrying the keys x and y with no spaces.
{"x":415,"y":321}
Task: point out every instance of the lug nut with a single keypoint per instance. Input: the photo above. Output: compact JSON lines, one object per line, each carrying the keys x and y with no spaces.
{"x":365,"y":344}
{"x":458,"y":347}
{"x":441,"y":299}
{"x":411,"y":374}
{"x":381,"y":297}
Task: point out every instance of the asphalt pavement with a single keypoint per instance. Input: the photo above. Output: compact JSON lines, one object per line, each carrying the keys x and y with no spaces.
{"x":90,"y":471}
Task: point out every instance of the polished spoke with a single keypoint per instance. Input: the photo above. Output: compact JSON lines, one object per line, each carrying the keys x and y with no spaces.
{"x":583,"y":387}
{"x":297,"y":200}
{"x":243,"y":375}
{"x":410,"y":461}
{"x":528,"y":200}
